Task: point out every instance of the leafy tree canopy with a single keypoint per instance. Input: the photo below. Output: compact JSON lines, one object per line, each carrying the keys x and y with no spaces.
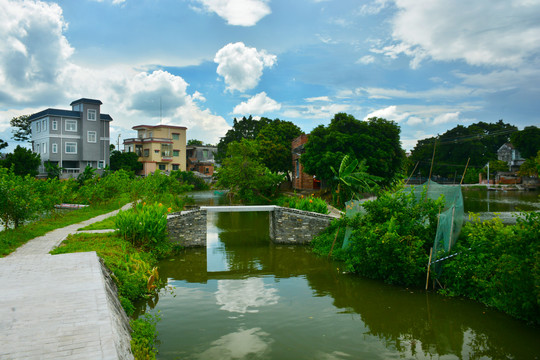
{"x":246,"y":128}
{"x":23,"y":162}
{"x":479,"y":142}
{"x":194,"y":142}
{"x":244,"y":175}
{"x":274,"y":141}
{"x":376,"y":141}
{"x":125,"y":160}
{"x":527,"y":141}
{"x":3,"y":144}
{"x":21,"y":128}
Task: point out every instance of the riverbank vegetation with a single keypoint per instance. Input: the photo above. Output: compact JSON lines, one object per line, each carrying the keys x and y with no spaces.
{"x":390,"y":240}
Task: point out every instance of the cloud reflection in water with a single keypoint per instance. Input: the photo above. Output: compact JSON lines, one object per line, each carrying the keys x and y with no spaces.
{"x":240,"y":295}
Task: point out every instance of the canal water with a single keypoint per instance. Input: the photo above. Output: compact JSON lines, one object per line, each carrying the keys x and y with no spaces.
{"x":245,"y":298}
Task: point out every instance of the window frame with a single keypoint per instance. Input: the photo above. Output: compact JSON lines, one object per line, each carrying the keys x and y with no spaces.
{"x":54,"y":149}
{"x":66,"y":147}
{"x":175,"y":136}
{"x":176,"y":152}
{"x":164,"y":166}
{"x":88,"y":136}
{"x":91,"y":111}
{"x":101,"y":164}
{"x":55,"y":125}
{"x":71,"y":122}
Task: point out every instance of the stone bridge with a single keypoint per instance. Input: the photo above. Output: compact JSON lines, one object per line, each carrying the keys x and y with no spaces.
{"x":287,"y":226}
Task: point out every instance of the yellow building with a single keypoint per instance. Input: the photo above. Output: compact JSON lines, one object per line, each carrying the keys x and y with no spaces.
{"x":160,"y":147}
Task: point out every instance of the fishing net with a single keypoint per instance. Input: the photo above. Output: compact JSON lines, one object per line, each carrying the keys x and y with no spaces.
{"x":450,"y":218}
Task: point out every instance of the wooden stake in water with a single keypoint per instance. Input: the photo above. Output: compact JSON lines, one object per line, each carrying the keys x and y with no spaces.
{"x":464,"y":171}
{"x":429,"y":267}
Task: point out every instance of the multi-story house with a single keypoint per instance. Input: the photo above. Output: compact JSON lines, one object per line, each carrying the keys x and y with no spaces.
{"x":301,"y":180}
{"x":511,"y":155}
{"x":201,"y":159}
{"x":72,"y":139}
{"x":159,"y":147}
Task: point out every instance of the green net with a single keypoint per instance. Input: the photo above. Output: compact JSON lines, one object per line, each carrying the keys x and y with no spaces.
{"x":450,"y":218}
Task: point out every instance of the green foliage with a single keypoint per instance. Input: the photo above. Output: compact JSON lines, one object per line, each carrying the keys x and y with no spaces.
{"x":531,"y":166}
{"x":189,"y":178}
{"x":143,"y":336}
{"x":127,"y":161}
{"x":244,"y":175}
{"x":246,"y":128}
{"x":351,"y":180}
{"x":479,"y":142}
{"x":527,"y":141}
{"x":145,"y":227}
{"x":3,"y":144}
{"x":160,"y":188}
{"x":23,"y":161}
{"x":308,"y":203}
{"x":391,"y":241}
{"x":499,"y":266}
{"x":274,"y":141}
{"x":376,"y":140}
{"x":194,"y":142}
{"x":53,"y":170}
{"x":88,"y":174}
{"x":21,"y":128}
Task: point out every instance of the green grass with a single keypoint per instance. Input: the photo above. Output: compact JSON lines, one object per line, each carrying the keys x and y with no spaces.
{"x":107,"y":223}
{"x":11,"y":239}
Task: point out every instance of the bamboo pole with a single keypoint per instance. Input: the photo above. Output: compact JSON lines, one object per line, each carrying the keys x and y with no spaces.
{"x":406,"y":182}
{"x":451,"y":242}
{"x":332,"y":249}
{"x":464,"y":171}
{"x":432,"y":160}
{"x":429,"y":267}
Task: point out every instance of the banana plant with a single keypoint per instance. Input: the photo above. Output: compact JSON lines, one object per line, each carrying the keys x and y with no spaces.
{"x":353,"y":178}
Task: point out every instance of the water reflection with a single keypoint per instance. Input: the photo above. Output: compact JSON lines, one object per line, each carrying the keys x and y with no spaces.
{"x":246,"y":298}
{"x":242,"y":296}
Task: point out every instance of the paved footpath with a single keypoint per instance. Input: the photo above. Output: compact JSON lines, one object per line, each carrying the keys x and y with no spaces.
{"x":59,"y":306}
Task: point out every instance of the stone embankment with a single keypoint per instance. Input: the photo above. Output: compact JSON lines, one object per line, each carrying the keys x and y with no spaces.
{"x":60,"y":306}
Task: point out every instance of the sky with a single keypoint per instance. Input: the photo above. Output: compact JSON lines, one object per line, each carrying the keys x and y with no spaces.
{"x":427,"y":65}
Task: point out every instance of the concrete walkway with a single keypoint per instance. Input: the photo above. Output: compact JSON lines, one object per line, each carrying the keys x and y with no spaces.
{"x":61,"y":306}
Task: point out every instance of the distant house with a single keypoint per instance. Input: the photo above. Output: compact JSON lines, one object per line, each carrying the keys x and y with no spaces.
{"x":201,"y":159}
{"x":511,"y":156}
{"x":72,"y":139}
{"x":160,"y":147}
{"x":301,"y":180}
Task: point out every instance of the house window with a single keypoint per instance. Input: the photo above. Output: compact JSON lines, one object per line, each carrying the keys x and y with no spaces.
{"x":44,"y":124}
{"x":91,"y":114}
{"x":55,"y":125}
{"x":166,"y":150}
{"x":71,"y":125}
{"x":176,"y":136}
{"x":89,"y":163}
{"x":71,"y":147}
{"x":162,"y":167}
{"x":101,"y":164}
{"x":297,"y":168}
{"x":176,"y":152}
{"x":139,"y":150}
{"x":206,"y":170}
{"x":175,"y":167}
{"x":44,"y":147}
{"x":38,"y":126}
{"x":146,"y":152}
{"x":91,"y":137}
{"x":37,"y":148}
{"x":55,"y":148}
{"x":205,"y":154}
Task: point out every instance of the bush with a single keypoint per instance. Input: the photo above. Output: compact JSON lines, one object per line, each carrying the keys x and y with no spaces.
{"x":189,"y":178}
{"x":145,"y":227}
{"x":309,"y":203}
{"x":499,"y":266}
{"x":143,"y":336}
{"x":391,"y":241}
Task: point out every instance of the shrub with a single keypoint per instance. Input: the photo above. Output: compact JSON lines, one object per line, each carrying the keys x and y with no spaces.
{"x":143,"y":336}
{"x":390,"y":241}
{"x":189,"y":178}
{"x":309,"y":203}
{"x":499,"y":266}
{"x":145,"y":226}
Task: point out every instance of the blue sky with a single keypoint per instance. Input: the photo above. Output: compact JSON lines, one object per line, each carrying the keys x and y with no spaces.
{"x":428,"y":65}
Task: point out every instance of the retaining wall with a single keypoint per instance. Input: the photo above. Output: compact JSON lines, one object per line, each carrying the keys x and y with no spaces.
{"x":188,"y":228}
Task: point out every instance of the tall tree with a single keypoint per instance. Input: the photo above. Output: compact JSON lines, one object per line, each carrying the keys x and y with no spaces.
{"x":21,"y":128}
{"x":194,"y":142}
{"x":125,"y":160}
{"x":479,"y":142}
{"x":3,"y":144}
{"x":246,"y":128}
{"x":376,"y":141}
{"x":23,"y":161}
{"x":274,"y":141}
{"x":527,"y":141}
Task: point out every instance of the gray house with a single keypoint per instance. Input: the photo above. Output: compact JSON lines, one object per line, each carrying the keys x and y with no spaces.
{"x":72,"y":138}
{"x":511,"y":155}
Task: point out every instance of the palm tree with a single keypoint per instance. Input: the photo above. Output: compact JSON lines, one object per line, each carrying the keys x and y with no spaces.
{"x":353,"y":178}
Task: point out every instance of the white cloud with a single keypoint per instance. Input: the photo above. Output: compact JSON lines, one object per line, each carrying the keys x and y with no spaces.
{"x":482,"y":32}
{"x":317,"y":112}
{"x":33,"y":50}
{"x":245,"y":296}
{"x":367,"y":59}
{"x":414,"y":120}
{"x":388,"y":113}
{"x":242,"y":344}
{"x":238,"y":12}
{"x":446,"y":118}
{"x":242,"y":66}
{"x":318,"y":98}
{"x":258,"y":105}
{"x":373,"y":8}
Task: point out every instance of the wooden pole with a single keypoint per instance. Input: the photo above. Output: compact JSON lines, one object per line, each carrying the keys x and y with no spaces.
{"x":450,"y":242}
{"x":464,"y":171}
{"x":332,"y":249}
{"x":429,"y":266}
{"x":406,"y":182}
{"x":432,"y":159}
